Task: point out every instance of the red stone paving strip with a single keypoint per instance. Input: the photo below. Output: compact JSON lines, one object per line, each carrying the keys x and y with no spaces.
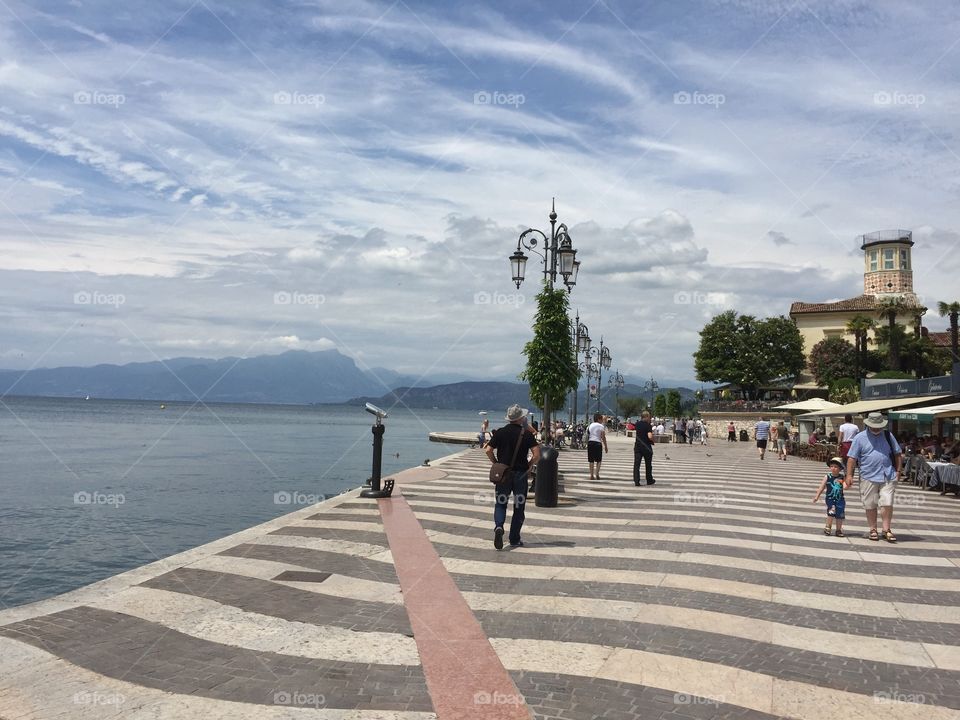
{"x":464,"y":676}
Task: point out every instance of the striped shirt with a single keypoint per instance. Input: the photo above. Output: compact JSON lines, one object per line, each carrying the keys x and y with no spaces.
{"x":763,"y":430}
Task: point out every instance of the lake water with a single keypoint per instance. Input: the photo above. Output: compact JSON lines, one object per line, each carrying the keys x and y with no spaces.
{"x":90,"y":488}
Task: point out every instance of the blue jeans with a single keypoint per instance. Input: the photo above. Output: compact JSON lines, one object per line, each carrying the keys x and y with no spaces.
{"x":517,"y":486}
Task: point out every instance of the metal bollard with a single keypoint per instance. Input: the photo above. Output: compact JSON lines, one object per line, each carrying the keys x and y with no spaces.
{"x":547,"y":486}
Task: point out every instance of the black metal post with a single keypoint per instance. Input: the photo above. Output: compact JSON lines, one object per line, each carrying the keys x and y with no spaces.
{"x":375,"y":490}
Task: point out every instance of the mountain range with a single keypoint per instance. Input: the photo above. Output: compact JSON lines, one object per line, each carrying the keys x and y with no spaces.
{"x":293,"y":377}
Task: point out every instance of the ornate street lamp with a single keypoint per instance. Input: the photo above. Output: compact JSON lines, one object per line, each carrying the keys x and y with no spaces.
{"x":602,"y":362}
{"x":616,"y":382}
{"x":581,"y":341}
{"x":651,"y":387}
{"x":559,"y":256}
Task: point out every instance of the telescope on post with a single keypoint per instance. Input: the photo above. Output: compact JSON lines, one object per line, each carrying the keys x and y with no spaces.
{"x":375,"y":490}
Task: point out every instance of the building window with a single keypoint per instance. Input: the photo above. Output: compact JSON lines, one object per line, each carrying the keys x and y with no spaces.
{"x":873,"y":261}
{"x":888,"y":259}
{"x":904,"y":259}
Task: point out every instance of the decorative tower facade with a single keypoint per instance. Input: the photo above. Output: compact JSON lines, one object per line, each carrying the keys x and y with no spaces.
{"x":887,"y":265}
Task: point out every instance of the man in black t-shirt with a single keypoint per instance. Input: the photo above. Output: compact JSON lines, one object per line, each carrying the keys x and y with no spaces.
{"x":643,"y":449}
{"x":512,"y":442}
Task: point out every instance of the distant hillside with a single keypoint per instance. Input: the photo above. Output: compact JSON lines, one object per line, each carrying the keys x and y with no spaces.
{"x":493,"y":397}
{"x":297,"y":377}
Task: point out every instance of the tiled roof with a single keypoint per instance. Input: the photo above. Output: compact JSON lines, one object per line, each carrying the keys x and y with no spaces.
{"x":940,"y":339}
{"x":861,"y":302}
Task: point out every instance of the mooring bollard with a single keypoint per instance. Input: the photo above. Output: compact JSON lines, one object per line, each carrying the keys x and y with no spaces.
{"x":378,"y":429}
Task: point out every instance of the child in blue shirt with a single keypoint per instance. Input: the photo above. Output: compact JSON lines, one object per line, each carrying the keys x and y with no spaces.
{"x":832,"y":483}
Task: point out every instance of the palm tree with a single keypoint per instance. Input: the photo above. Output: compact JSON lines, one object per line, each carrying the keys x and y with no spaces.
{"x":889,"y":309}
{"x":860,"y":326}
{"x":953,"y":310}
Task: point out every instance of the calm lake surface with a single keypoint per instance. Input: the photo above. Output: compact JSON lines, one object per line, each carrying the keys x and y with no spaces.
{"x":90,"y":488}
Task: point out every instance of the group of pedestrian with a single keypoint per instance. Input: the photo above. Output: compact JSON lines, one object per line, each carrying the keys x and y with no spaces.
{"x":874,"y":451}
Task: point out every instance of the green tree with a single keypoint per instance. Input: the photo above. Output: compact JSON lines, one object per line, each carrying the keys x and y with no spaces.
{"x":631,"y":406}
{"x":890,"y":308}
{"x":832,"y":359}
{"x":953,"y":311}
{"x":892,"y":341}
{"x":660,"y":406}
{"x":551,"y":368}
{"x":844,"y":391}
{"x":747,"y":352}
{"x":673,"y":404}
{"x":860,"y":326}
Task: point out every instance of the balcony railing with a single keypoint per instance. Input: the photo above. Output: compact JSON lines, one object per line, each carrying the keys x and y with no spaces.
{"x":885,"y":236}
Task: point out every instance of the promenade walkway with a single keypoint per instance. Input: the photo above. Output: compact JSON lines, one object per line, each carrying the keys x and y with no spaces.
{"x":712,"y":594}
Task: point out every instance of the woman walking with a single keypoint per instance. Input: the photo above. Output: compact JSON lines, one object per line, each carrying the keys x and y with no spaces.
{"x":596,"y":445}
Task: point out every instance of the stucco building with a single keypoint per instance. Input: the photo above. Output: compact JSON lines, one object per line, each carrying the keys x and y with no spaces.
{"x":887,"y":273}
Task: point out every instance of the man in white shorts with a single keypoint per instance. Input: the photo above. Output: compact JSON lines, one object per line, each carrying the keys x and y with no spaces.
{"x":880,"y":459}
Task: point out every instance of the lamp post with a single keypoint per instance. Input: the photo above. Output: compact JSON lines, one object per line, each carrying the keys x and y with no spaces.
{"x":616,"y":382}
{"x":559,"y":258}
{"x":651,"y":387}
{"x":595,"y":367}
{"x":581,"y":340}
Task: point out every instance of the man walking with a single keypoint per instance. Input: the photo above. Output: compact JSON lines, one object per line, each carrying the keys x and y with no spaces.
{"x":512,"y":442}
{"x":847,"y":432}
{"x":643,"y":449}
{"x":880,"y":459}
{"x":762,"y":433}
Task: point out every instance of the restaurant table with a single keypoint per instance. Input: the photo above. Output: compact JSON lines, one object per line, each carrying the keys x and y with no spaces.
{"x":945,"y":475}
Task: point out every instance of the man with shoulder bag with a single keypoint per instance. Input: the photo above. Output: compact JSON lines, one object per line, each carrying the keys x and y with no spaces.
{"x":508,"y":449}
{"x":880,"y":460}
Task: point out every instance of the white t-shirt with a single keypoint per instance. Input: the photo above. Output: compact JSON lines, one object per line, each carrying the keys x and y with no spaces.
{"x":594,"y":432}
{"x":659,"y":430}
{"x":847,"y":432}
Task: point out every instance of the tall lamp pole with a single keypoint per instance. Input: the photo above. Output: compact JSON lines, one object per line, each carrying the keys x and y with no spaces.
{"x":559,"y":257}
{"x":581,"y":343}
{"x":616,"y":382}
{"x":602,"y":361}
{"x":652,"y":387}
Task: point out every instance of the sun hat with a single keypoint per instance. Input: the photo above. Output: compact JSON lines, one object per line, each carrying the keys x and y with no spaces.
{"x":875,"y":420}
{"x":835,"y":461}
{"x":515,"y":412}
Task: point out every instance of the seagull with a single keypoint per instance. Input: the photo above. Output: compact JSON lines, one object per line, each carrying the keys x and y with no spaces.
{"x":709,"y":455}
{"x":666,"y":457}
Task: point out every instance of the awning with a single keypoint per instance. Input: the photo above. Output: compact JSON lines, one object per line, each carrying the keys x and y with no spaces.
{"x":811,"y":404}
{"x":928,"y":414}
{"x":868,"y":406}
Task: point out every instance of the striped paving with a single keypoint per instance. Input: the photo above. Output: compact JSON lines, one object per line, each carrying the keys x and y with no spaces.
{"x":712,"y":594}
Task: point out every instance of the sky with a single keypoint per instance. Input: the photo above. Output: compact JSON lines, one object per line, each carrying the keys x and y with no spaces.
{"x":222,"y":179}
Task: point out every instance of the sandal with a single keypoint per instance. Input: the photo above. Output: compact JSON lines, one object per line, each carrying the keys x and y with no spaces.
{"x":873,"y":535}
{"x":889,"y":536}
{"x":840,"y":533}
{"x":826,"y":531}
